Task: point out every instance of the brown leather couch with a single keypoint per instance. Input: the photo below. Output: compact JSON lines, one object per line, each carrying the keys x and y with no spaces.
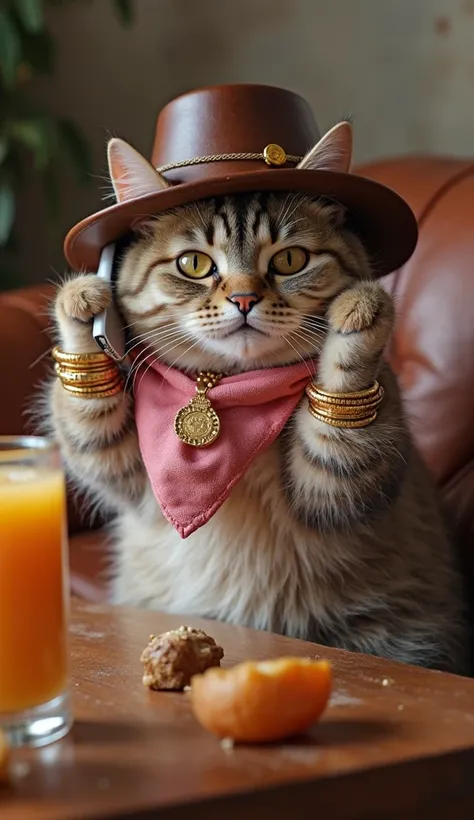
{"x":431,"y":351}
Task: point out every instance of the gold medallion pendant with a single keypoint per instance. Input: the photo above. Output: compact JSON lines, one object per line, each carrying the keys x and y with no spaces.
{"x":197,"y":424}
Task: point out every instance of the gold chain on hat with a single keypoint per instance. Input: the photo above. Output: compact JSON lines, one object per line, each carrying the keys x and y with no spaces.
{"x":272,"y":154}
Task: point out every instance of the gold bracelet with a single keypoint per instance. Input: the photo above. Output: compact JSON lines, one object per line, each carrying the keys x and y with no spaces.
{"x":85,"y":378}
{"x":352,"y":409}
{"x":345,"y":423}
{"x":97,"y":394}
{"x":344,"y":413}
{"x":87,"y":375}
{"x":314,"y":396}
{"x":358,"y":396}
{"x":93,"y":388}
{"x":346,"y":409}
{"x":80,"y":359}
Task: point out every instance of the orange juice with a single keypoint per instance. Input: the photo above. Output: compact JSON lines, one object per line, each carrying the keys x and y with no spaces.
{"x":33,"y":616}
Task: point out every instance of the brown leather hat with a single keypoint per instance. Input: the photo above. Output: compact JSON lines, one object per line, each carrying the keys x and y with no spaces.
{"x":242,"y":138}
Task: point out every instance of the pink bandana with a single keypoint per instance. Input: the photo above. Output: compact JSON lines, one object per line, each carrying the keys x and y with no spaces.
{"x":190,"y":483}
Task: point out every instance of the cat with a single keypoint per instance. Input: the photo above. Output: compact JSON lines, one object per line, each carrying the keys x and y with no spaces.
{"x":332,"y":535}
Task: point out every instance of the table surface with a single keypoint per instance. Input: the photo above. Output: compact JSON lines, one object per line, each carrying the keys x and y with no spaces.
{"x":394,"y":742}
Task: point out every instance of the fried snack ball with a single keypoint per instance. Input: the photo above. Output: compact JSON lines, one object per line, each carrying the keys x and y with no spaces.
{"x":170,"y":660}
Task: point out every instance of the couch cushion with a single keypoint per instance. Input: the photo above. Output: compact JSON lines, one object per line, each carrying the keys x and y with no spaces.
{"x":90,"y":561}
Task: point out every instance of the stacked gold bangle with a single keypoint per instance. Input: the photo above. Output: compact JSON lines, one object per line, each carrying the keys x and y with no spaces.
{"x":357,"y":409}
{"x":88,"y":375}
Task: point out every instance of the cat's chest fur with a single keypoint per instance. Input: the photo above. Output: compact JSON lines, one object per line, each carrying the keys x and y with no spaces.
{"x":253,"y":563}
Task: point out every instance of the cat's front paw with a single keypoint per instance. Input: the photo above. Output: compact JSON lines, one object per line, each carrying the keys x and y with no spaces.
{"x":360,"y":324}
{"x":77,"y":302}
{"x":361,"y":308}
{"x":83,"y":297}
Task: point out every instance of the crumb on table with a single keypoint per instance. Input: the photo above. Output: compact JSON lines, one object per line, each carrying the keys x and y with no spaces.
{"x":170,"y":660}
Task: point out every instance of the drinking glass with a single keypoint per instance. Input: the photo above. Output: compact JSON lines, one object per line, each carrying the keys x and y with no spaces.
{"x":34,"y":593}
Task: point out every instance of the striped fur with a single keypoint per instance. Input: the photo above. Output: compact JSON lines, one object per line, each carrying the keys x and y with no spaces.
{"x":332,"y":535}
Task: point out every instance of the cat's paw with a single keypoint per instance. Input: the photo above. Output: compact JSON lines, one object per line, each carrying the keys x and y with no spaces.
{"x":77,"y":302}
{"x":361,"y":308}
{"x":360,"y":324}
{"x":82,"y":298}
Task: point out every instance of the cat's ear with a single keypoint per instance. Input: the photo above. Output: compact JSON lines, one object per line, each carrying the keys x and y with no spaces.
{"x":333,"y":152}
{"x":131,"y":174}
{"x":335,"y":213}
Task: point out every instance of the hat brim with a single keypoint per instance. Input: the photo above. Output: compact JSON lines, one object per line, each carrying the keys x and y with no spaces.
{"x":382,"y":219}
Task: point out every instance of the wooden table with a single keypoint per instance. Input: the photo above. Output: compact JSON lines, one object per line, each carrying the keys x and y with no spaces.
{"x":395,"y":742}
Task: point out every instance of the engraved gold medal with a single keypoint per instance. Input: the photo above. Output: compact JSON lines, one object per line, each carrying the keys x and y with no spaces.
{"x":197,"y":424}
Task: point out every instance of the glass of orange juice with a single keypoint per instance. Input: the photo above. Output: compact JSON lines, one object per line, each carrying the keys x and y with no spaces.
{"x":34,"y":593}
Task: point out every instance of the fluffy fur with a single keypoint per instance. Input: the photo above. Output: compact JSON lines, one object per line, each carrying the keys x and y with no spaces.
{"x":332,"y":535}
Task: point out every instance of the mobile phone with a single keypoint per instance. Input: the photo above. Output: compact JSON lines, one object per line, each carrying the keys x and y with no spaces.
{"x":107,"y":328}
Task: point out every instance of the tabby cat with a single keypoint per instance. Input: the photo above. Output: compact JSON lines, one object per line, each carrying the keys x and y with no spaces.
{"x":332,"y":535}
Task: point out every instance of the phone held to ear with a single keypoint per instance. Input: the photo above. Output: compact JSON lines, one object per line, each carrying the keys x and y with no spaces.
{"x":107,"y":328}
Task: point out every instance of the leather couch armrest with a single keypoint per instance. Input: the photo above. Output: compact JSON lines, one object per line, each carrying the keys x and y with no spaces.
{"x":24,"y":344}
{"x":24,"y":363}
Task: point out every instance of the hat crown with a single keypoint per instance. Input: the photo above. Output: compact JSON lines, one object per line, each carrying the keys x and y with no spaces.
{"x":232,"y":139}
{"x":230,"y":119}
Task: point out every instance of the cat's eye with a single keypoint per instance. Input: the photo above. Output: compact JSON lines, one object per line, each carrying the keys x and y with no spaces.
{"x":288,"y":261}
{"x":195,"y":265}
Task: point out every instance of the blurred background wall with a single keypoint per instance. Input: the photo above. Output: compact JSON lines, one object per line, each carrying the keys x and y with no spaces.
{"x":404,"y":70}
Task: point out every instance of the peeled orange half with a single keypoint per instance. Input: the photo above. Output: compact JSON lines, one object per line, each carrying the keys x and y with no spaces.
{"x":256,"y":702}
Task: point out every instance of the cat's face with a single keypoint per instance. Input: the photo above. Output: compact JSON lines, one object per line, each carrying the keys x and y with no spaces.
{"x":237,"y":283}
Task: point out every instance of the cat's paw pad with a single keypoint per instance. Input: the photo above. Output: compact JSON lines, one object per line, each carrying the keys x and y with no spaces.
{"x":360,"y":308}
{"x":84,"y":297}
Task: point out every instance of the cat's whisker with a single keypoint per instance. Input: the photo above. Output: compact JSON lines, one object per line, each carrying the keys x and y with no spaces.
{"x":158,"y":336}
{"x":147,"y":333}
{"x":142,"y":356}
{"x":289,"y":214}
{"x":150,"y":364}
{"x":165,"y":348}
{"x":300,"y":357}
{"x":184,"y":339}
{"x":313,"y":325}
{"x":173,"y":314}
{"x":318,"y":337}
{"x":185,"y":353}
{"x":285,"y":210}
{"x":40,"y":358}
{"x":143,"y":337}
{"x":289,"y":225}
{"x":316,"y":331}
{"x":197,"y":209}
{"x":315,"y":343}
{"x":317,"y":334}
{"x":316,"y":319}
{"x":153,"y":343}
{"x":157,"y":333}
{"x":145,"y":342}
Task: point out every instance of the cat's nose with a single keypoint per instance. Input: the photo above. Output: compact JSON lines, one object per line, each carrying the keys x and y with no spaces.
{"x":244,"y":301}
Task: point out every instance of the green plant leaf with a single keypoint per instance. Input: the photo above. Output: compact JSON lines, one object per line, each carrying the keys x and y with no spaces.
{"x":7,"y":211}
{"x":10,"y":48}
{"x":124,"y":9}
{"x":36,"y":135}
{"x":51,"y":190}
{"x":39,"y":52}
{"x":3,"y":148}
{"x":31,"y":14}
{"x":76,"y":147}
{"x":8,"y":278}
